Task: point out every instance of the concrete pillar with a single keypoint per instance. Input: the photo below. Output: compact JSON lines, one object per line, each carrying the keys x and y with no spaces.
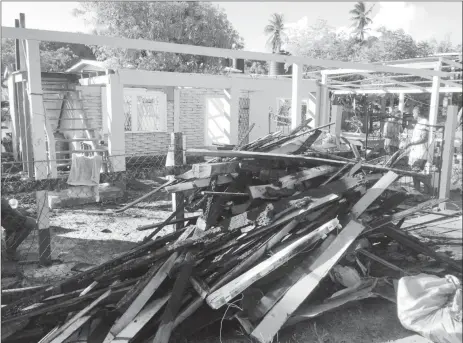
{"x":447,"y":153}
{"x":234,"y":112}
{"x":434,"y":110}
{"x":37,"y":113}
{"x":116,"y":132}
{"x":296,"y":98}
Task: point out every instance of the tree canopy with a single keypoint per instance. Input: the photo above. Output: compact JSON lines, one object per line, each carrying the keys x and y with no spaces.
{"x":194,"y":23}
{"x":276,"y":30}
{"x":54,"y":57}
{"x":361,"y":19}
{"x":324,"y":42}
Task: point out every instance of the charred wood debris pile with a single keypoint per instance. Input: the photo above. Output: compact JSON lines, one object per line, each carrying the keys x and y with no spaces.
{"x":287,"y":232}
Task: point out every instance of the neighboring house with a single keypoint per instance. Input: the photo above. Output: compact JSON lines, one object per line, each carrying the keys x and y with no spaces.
{"x":88,"y":68}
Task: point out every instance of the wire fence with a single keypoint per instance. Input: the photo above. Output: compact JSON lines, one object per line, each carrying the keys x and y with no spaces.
{"x":407,"y":144}
{"x":83,"y":220}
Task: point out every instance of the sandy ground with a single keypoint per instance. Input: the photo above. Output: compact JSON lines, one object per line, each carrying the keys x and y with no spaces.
{"x":93,"y":234}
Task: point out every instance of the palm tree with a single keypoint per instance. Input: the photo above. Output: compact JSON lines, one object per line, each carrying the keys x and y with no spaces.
{"x":275,"y":29}
{"x":361,"y":19}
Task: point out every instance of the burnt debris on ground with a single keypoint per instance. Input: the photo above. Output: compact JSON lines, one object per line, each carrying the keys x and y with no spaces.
{"x":287,"y":232}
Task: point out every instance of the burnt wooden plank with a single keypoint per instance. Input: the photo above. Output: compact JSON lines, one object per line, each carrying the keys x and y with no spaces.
{"x":143,"y":297}
{"x":199,"y":183}
{"x":288,"y":182}
{"x":85,"y":278}
{"x":207,"y":170}
{"x":286,"y":282}
{"x":135,"y":300}
{"x":308,"y":143}
{"x":415,"y":244}
{"x":221,"y":296}
{"x":373,"y":193}
{"x":256,"y":255}
{"x":295,"y":159}
{"x":76,"y":321}
{"x":292,"y":299}
{"x":173,"y":306}
{"x":71,"y":304}
{"x":134,"y":327}
{"x":266,"y":212}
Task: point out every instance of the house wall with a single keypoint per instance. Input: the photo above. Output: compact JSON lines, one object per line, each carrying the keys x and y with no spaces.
{"x":192,"y":118}
{"x":262,"y":101}
{"x":192,"y":111}
{"x":149,"y":143}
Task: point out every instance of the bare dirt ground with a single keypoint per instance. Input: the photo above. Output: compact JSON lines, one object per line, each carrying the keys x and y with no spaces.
{"x":93,"y":234}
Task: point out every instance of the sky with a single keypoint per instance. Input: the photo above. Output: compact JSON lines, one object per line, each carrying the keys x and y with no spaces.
{"x":422,"y":20}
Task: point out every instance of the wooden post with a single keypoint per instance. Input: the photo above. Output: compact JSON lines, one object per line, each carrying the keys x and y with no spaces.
{"x":383,"y":111}
{"x":38,"y":139}
{"x":318,"y":93}
{"x":434,"y":110}
{"x":116,"y":132}
{"x":336,"y":117}
{"x":296,"y":99}
{"x":27,"y":129}
{"x":43,"y":224}
{"x":15,"y":135}
{"x":22,"y":132}
{"x":175,"y":157}
{"x":17,"y":51}
{"x":24,"y":110}
{"x":184,"y":149}
{"x":324,"y":101}
{"x":22,"y":51}
{"x":234,"y":112}
{"x":447,"y":153}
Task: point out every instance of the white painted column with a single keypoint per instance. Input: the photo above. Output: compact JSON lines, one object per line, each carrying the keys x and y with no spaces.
{"x":447,"y":153}
{"x":296,"y":98}
{"x":434,"y":110}
{"x":324,"y":101}
{"x":116,"y":132}
{"x":15,"y":135}
{"x":234,"y":111}
{"x":336,"y":117}
{"x":37,"y":113}
{"x":104,"y":110}
{"x":401,"y":106}
{"x":176,"y":109}
{"x":383,"y":111}
{"x":318,"y":94}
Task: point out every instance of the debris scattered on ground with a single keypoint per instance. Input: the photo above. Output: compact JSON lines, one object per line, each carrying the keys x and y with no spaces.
{"x":279,"y":215}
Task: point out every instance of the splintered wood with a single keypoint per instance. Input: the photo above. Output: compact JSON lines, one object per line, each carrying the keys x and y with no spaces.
{"x":274,"y":221}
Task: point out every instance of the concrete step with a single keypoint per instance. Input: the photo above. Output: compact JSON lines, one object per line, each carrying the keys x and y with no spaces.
{"x":81,"y":195}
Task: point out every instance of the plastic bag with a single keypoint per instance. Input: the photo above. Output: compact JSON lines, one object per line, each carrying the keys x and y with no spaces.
{"x":431,"y":306}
